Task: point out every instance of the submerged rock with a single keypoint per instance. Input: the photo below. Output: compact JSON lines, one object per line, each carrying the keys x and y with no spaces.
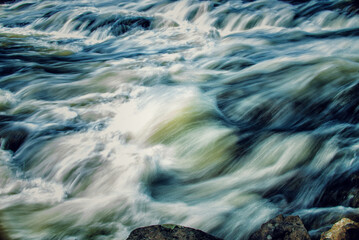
{"x":169,"y":232}
{"x":345,"y":229}
{"x":282,"y":228}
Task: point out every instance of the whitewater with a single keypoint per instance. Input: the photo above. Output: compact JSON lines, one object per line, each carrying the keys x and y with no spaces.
{"x":217,"y":115}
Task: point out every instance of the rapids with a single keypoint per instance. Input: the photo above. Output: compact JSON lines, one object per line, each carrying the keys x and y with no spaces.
{"x":213,"y":114}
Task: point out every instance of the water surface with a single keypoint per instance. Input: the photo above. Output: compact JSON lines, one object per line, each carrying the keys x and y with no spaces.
{"x":217,"y":115}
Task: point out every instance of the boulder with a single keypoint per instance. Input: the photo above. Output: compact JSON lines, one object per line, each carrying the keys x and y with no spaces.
{"x":282,"y":228}
{"x":345,"y":229}
{"x":169,"y":232}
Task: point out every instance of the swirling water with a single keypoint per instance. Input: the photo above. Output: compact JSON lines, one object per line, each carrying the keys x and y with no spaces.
{"x":217,"y":115}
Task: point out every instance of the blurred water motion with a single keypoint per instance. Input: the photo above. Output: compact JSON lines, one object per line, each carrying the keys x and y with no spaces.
{"x":216,"y":115}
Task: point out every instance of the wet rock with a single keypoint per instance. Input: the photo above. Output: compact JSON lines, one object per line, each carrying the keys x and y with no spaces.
{"x":345,"y":229}
{"x":282,"y":228}
{"x":169,"y":232}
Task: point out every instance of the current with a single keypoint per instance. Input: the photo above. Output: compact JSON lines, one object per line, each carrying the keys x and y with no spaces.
{"x":213,"y":114}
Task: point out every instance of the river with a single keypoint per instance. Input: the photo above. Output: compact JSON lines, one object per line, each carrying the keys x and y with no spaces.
{"x":216,"y":115}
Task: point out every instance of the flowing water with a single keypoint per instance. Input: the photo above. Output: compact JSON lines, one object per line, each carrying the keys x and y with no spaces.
{"x":217,"y":115}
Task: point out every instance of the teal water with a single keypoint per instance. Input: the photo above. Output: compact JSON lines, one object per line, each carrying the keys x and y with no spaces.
{"x":217,"y":115}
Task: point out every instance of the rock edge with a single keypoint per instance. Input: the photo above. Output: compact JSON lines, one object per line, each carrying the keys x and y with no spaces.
{"x":169,"y":232}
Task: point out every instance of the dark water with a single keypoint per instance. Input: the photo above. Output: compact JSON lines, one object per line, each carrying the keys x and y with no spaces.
{"x":217,"y":115}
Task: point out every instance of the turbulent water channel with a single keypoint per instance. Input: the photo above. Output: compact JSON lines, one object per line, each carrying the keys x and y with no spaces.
{"x":216,"y":115}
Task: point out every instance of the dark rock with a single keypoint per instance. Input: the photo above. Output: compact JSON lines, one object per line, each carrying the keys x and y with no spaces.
{"x":282,"y":228}
{"x":345,"y":229}
{"x":169,"y":232}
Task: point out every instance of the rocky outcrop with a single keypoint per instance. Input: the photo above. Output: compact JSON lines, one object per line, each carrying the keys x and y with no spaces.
{"x":169,"y":232}
{"x":282,"y":228}
{"x":345,"y":229}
